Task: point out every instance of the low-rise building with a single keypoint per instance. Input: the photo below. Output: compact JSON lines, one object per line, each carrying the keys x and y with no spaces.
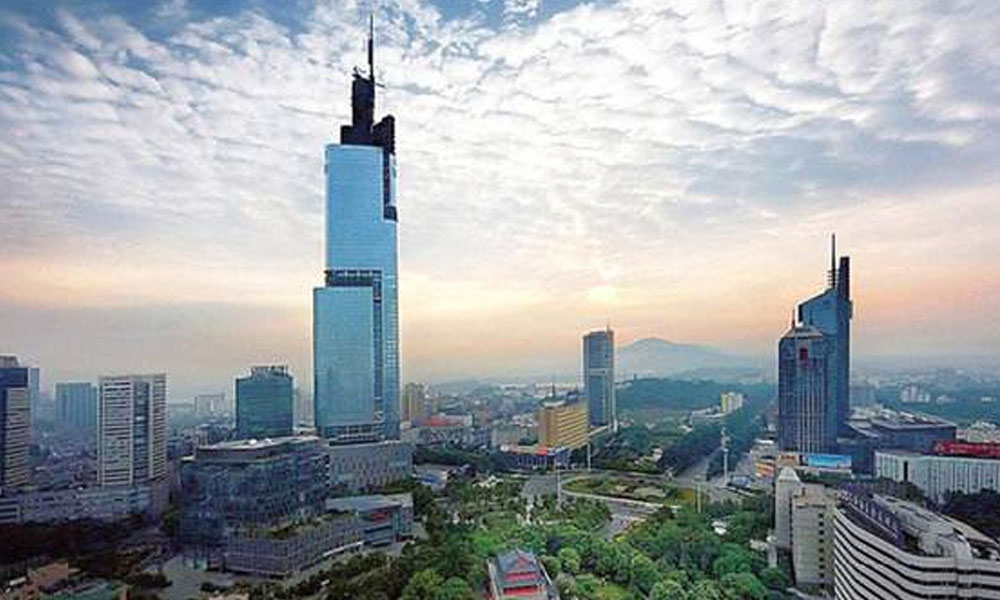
{"x":979,"y":432}
{"x":266,"y":506}
{"x":148,"y":500}
{"x":383,"y":519}
{"x":882,"y":429}
{"x":518,"y":574}
{"x":954,"y":467}
{"x":59,"y":581}
{"x":362,"y":467}
{"x":284,"y":550}
{"x":346,"y":524}
{"x":535,"y":457}
{"x":890,"y":549}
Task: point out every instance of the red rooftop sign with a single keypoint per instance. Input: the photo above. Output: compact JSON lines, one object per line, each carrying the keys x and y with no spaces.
{"x":952,"y":448}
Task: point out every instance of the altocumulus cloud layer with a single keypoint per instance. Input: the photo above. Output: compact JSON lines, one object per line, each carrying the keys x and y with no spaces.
{"x":673,"y":167}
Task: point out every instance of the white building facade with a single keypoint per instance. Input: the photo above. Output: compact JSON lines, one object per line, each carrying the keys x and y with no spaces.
{"x":132,"y":429}
{"x":938,"y":475}
{"x":894,"y":550}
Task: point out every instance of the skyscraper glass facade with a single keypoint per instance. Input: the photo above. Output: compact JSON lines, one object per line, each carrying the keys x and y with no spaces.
{"x":830,"y":313}
{"x":265,"y":403}
{"x":76,"y":406}
{"x":599,"y":377}
{"x":805,"y":406}
{"x":355,"y":314}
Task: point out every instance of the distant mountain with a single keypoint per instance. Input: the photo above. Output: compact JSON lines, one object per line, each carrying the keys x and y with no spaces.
{"x":658,"y":357}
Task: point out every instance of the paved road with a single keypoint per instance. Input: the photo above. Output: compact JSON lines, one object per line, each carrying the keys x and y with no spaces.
{"x":624,"y":512}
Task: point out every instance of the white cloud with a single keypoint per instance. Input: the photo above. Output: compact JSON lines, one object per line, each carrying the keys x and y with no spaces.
{"x":600,"y":149}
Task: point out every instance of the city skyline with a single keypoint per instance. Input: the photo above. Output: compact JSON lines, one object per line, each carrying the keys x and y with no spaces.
{"x":707,"y":172}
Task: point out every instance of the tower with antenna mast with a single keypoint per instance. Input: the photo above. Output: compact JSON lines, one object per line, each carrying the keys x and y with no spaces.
{"x":821,"y":332}
{"x":355,"y":313}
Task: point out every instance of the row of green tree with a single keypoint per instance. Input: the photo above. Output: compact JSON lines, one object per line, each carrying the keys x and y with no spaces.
{"x":980,"y":510}
{"x":682,"y":395}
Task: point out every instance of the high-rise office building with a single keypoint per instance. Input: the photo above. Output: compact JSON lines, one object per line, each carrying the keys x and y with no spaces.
{"x":415,"y":408}
{"x":265,"y":403}
{"x":15,"y":424}
{"x":76,"y":406}
{"x":599,"y":377}
{"x":563,"y":423}
{"x":355,"y":314}
{"x":830,"y":312}
{"x":131,"y":429}
{"x":42,"y":405}
{"x":806,"y":410}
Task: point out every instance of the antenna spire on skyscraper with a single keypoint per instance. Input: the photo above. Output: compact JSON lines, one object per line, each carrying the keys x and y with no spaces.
{"x":832,"y":275}
{"x":371,"y":45}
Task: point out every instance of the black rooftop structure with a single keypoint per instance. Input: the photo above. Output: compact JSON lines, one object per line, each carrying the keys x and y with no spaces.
{"x":363,"y":131}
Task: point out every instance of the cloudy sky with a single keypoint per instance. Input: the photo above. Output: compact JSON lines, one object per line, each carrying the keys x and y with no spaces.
{"x":674,"y":168}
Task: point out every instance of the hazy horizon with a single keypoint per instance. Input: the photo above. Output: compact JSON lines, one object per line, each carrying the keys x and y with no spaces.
{"x":673,"y":172}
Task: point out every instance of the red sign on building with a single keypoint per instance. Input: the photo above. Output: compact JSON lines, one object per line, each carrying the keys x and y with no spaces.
{"x":975,"y":450}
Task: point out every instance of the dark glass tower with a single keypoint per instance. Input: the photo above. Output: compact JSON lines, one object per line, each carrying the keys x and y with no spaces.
{"x":830,"y":313}
{"x":264,"y":403}
{"x":599,"y":377}
{"x":806,"y":410}
{"x":355,"y":314}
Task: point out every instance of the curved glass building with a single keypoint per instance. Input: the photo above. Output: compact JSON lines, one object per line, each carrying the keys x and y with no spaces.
{"x":355,"y":313}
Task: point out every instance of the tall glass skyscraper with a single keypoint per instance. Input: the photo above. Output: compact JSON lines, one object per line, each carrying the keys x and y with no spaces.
{"x":599,"y":377}
{"x":355,"y":314}
{"x":830,"y":313}
{"x":806,"y":409}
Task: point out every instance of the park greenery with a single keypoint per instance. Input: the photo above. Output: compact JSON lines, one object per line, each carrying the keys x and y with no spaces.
{"x":670,"y":555}
{"x":76,"y":540}
{"x":645,"y":489}
{"x":631,"y":448}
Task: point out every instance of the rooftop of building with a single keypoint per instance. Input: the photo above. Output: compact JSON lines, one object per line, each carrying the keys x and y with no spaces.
{"x":801,"y":331}
{"x":918,"y":530}
{"x":788,"y":474}
{"x":533,"y":449}
{"x":864,"y":421}
{"x":899,"y":452}
{"x":367,"y":503}
{"x":517,"y":561}
{"x":253,"y":443}
{"x":252,"y":449}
